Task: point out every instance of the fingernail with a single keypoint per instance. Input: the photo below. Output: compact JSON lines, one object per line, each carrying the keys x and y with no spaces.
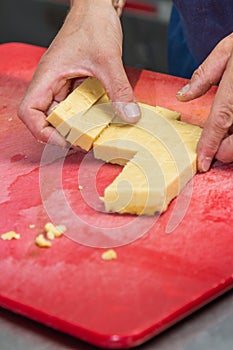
{"x":205,"y":164}
{"x":132,"y":110}
{"x":128,"y":111}
{"x":52,"y":107}
{"x":184,"y":90}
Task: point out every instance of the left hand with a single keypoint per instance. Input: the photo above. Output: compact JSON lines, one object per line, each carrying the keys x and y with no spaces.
{"x":217,"y":136}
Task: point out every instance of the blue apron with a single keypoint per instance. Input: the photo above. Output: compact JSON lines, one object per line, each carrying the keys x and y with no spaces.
{"x":196,"y":26}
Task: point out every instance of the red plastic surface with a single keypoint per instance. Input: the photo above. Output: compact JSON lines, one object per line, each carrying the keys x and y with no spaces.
{"x":155,"y":281}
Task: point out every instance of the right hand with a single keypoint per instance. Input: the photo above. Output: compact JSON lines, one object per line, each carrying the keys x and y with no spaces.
{"x":88,"y":44}
{"x":217,"y":136}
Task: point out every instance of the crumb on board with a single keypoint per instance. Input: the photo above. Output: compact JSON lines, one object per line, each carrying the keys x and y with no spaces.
{"x":42,"y":242}
{"x":10,"y":119}
{"x":109,"y":255}
{"x":101,"y":198}
{"x":8,"y":236}
{"x":51,"y":232}
{"x":56,"y":230}
{"x":50,"y":235}
{"x":60,"y":230}
{"x":80,"y":187}
{"x":32,"y":226}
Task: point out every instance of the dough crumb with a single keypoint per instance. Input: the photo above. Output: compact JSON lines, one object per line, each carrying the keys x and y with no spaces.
{"x":51,"y":232}
{"x":32,"y":226}
{"x":10,"y":119}
{"x":42,"y":242}
{"x":80,"y":187}
{"x":50,"y":235}
{"x":101,"y":198}
{"x":109,"y":255}
{"x":57,"y":231}
{"x":8,"y":236}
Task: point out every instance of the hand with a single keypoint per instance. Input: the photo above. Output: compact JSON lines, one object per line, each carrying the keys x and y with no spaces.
{"x":88,"y":44}
{"x":217,"y":137}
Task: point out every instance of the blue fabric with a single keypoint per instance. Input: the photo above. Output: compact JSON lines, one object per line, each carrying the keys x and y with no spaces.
{"x":180,"y":60}
{"x":196,"y":27}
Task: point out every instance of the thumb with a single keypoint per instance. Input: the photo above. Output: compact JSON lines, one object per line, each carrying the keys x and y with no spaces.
{"x":208,"y":73}
{"x":120,"y":91}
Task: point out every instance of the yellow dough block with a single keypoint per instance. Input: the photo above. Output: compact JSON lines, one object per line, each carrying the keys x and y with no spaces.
{"x":160,"y":157}
{"x":158,"y":153}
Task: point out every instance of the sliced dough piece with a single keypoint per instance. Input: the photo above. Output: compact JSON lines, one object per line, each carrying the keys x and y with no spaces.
{"x":167,"y":113}
{"x":87,"y":127}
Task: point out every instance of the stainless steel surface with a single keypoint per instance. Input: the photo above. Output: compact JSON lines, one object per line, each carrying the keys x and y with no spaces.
{"x":211,"y":328}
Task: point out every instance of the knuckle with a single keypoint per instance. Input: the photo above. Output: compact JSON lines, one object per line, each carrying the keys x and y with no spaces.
{"x":225,"y":151}
{"x":199,"y":73}
{"x":201,"y":81}
{"x":208,"y":145}
{"x":22,"y":110}
{"x":224,"y":120}
{"x":224,"y":158}
{"x":209,"y":142}
{"x":123,"y":91}
{"x":100,"y":59}
{"x":226,"y":42}
{"x":103,"y":57}
{"x":201,"y":76}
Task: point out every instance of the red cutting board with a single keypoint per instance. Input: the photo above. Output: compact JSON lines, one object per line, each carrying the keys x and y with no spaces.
{"x":156,"y":280}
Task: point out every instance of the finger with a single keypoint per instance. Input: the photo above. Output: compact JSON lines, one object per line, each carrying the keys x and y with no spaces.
{"x":77,"y":81}
{"x":71,"y":85}
{"x":63,"y":92}
{"x":119,"y":90}
{"x":230,"y":131}
{"x":37,"y":101}
{"x":40,"y":129}
{"x":225,"y":151}
{"x":51,"y":107}
{"x":53,"y":137}
{"x":219,"y":122}
{"x":209,"y":72}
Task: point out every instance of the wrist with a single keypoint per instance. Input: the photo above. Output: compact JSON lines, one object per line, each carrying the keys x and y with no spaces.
{"x":74,"y":2}
{"x":117,"y":4}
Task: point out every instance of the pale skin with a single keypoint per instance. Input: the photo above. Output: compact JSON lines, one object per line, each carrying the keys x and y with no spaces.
{"x":90,"y":44}
{"x":217,"y":137}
